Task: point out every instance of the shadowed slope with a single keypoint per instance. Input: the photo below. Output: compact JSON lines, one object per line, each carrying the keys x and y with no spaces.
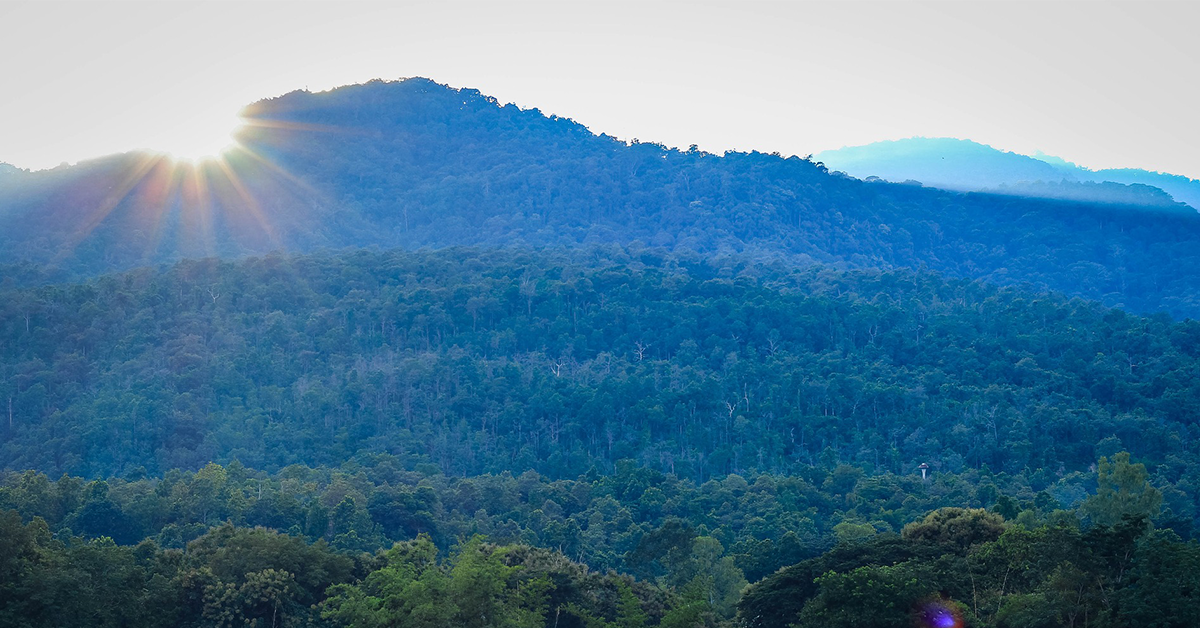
{"x":414,"y":164}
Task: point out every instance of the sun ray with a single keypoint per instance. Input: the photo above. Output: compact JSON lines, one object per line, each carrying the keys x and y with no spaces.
{"x":143,"y":166}
{"x":281,"y":171}
{"x":201,"y":206}
{"x":248,"y":200}
{"x":154,"y":202}
{"x":288,"y":125}
{"x":178,"y":206}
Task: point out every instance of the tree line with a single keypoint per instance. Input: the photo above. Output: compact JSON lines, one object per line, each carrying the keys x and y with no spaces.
{"x":480,"y":362}
{"x":216,"y":553}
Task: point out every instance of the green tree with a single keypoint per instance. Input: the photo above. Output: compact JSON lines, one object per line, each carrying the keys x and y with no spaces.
{"x":411,"y":591}
{"x":867,"y":597}
{"x":1123,"y":490}
{"x":960,"y":528}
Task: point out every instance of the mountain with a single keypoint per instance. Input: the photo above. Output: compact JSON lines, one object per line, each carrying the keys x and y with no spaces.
{"x":463,"y":390}
{"x":415,"y":164}
{"x":954,"y":164}
{"x":1181,"y":188}
{"x":409,"y":355}
{"x":945,"y":163}
{"x":484,"y":361}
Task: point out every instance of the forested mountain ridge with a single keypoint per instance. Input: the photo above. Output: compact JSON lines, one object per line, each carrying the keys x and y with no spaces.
{"x":700,"y":370}
{"x":964,"y":165}
{"x":414,"y":164}
{"x":946,"y":163}
{"x":478,"y":361}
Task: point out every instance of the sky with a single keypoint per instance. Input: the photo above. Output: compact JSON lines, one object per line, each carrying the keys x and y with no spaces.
{"x":1100,"y":84}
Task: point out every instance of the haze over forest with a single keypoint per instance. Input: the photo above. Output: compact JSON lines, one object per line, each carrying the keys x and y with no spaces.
{"x":968,"y":166}
{"x":408,"y":355}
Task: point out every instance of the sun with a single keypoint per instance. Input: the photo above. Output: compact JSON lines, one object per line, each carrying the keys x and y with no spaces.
{"x":200,"y":138}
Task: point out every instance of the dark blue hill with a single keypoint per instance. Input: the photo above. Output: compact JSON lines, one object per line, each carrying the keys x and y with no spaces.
{"x":414,"y":163}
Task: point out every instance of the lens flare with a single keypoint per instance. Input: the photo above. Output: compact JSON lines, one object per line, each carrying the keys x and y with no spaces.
{"x":937,"y":613}
{"x":231,"y":188}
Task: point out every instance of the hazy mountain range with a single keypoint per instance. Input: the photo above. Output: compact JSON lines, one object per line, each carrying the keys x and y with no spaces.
{"x":417,"y":164}
{"x":955,"y":164}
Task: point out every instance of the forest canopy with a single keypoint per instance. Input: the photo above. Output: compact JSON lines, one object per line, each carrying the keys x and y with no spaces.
{"x":483,"y":361}
{"x":410,"y":357}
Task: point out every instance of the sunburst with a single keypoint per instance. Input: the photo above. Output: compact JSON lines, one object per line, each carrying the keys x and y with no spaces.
{"x":200,"y":139}
{"x":199,"y":193}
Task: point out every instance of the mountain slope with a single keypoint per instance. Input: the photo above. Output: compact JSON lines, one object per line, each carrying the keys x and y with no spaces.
{"x":963,"y":165}
{"x":483,"y":361}
{"x":415,"y":164}
{"x":1182,"y":188}
{"x":945,"y":163}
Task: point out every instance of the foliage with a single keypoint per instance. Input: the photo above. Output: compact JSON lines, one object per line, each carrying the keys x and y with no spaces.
{"x":960,"y":528}
{"x":1124,"y":491}
{"x":478,"y":362}
{"x":1045,"y":576}
{"x":253,"y":577}
{"x":481,"y":437}
{"x":987,"y":570}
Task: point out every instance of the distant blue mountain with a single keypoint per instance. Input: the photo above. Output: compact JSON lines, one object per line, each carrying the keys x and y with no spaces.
{"x":963,"y":165}
{"x":1182,"y":188}
{"x":944,"y":163}
{"x":414,"y":164}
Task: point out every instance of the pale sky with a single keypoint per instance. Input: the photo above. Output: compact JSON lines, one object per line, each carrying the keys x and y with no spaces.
{"x":1100,"y":84}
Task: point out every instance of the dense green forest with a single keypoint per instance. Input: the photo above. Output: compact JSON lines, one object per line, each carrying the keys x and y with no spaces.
{"x":693,"y":423}
{"x":413,"y":163}
{"x":489,"y":369}
{"x":482,"y":361}
{"x":763,"y":522}
{"x":692,"y":550}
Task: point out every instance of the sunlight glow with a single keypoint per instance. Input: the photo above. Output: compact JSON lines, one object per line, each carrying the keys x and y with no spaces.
{"x":201,"y":182}
{"x":200,"y":138}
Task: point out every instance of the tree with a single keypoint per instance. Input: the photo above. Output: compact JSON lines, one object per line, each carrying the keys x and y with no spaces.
{"x":411,"y":591}
{"x":475,"y":588}
{"x":959,"y":528}
{"x":867,"y":597}
{"x":1124,"y":490}
{"x":1164,"y":586}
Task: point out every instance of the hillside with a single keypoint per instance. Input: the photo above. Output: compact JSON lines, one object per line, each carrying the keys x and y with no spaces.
{"x":945,"y":163}
{"x":411,"y":357}
{"x":964,"y":165}
{"x":414,"y":164}
{"x":697,"y":423}
{"x":1182,"y":188}
{"x":483,"y":361}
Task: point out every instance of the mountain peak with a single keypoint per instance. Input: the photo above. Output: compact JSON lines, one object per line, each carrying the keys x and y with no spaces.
{"x":414,"y":163}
